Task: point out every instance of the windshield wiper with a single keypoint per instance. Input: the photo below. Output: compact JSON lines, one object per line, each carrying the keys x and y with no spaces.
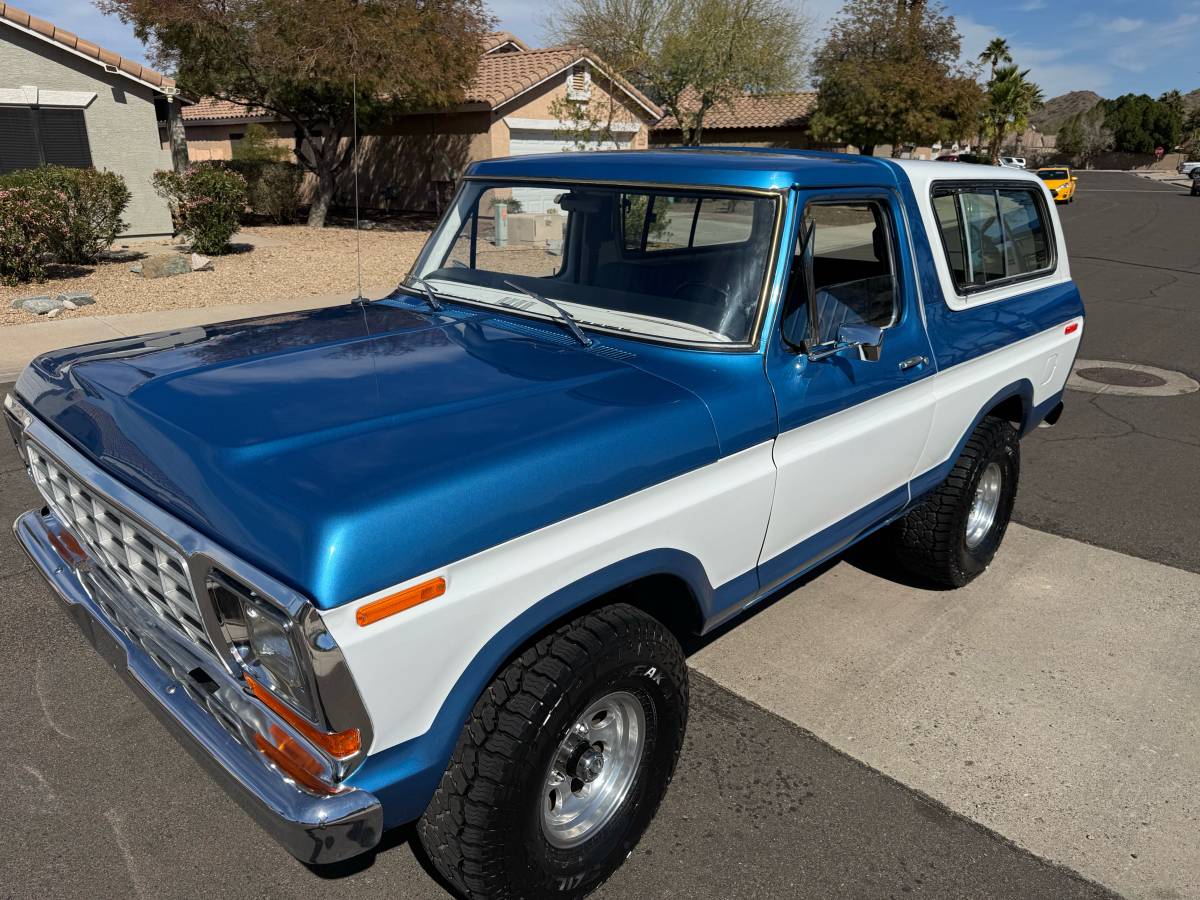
{"x":430,"y":298}
{"x":567,"y":318}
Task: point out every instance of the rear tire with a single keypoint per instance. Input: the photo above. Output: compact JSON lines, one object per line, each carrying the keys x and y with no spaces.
{"x":952,"y":536}
{"x":522,"y":810}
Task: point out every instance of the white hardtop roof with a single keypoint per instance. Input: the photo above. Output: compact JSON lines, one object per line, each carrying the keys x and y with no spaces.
{"x":922,"y":173}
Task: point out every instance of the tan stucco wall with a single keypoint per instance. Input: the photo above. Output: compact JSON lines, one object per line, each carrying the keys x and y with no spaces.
{"x":538,"y":103}
{"x":213,"y":141}
{"x":121,"y":124}
{"x":792,"y":138}
{"x":415,"y":163}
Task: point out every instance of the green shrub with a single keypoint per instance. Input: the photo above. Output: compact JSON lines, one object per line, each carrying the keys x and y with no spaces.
{"x":272,"y":188}
{"x":207,"y":203}
{"x":85,"y":207}
{"x":26,"y":228}
{"x":258,"y":145}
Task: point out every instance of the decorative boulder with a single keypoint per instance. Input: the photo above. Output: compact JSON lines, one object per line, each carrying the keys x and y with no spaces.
{"x":200,"y":262}
{"x":166,"y":265}
{"x":38,"y":305}
{"x":76,"y":299}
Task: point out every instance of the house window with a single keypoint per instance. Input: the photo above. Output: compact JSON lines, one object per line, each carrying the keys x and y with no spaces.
{"x":43,"y":137}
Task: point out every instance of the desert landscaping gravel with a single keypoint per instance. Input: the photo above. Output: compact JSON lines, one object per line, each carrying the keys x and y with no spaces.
{"x":270,"y":263}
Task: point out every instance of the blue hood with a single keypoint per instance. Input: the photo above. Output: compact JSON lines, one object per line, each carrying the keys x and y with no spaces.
{"x":347,"y":449}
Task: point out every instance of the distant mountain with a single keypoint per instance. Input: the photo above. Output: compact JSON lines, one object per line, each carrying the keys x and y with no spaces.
{"x":1058,"y":109}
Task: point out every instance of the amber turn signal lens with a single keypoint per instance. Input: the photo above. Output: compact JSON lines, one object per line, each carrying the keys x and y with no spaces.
{"x":67,"y":547}
{"x":400,"y":601}
{"x":293,"y":760}
{"x":339,"y":743}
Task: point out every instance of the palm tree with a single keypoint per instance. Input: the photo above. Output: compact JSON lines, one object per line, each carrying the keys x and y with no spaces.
{"x":995,"y":54}
{"x":1011,"y":98}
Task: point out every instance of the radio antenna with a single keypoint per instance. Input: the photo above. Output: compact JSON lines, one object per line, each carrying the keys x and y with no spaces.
{"x":354,"y":165}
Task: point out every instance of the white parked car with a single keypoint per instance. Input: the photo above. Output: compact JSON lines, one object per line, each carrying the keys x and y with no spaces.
{"x":1187,"y":168}
{"x":1012,"y":162}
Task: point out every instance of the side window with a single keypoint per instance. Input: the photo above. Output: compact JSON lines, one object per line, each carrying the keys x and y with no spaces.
{"x":992,"y":235}
{"x":655,"y":222}
{"x":1027,"y":243}
{"x":723,"y":221}
{"x":851,"y":271}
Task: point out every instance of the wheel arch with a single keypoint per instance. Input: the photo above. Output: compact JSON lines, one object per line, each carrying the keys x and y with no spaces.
{"x":669,"y":584}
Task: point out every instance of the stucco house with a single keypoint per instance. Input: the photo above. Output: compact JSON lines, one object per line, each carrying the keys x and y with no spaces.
{"x":748,"y":120}
{"x":510,"y":108}
{"x":66,"y":101}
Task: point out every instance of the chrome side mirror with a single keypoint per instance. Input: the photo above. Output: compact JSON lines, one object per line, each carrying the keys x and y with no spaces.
{"x":866,"y":339}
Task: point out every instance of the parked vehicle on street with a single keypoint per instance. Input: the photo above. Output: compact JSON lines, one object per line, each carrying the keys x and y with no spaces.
{"x":1060,"y":182}
{"x":431,"y":558}
{"x":1188,"y":168}
{"x":1013,"y":162}
{"x":1196,"y":182}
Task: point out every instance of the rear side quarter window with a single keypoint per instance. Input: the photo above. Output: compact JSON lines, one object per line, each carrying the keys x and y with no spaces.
{"x":993,"y":234}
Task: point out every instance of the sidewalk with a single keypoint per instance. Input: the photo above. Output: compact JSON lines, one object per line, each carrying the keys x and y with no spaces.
{"x":21,"y":343}
{"x":1053,"y":700}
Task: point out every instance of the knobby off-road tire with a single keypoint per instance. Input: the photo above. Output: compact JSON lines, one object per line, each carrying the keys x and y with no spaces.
{"x":485,"y":828}
{"x":940,"y":540}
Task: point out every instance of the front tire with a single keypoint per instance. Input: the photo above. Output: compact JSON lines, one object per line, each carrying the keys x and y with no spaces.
{"x":952,"y":536}
{"x":563,"y":761}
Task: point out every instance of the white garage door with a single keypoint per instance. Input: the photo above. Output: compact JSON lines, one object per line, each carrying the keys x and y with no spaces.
{"x":524,"y":141}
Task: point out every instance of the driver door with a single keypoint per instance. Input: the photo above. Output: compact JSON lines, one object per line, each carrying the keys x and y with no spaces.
{"x":852,"y":420}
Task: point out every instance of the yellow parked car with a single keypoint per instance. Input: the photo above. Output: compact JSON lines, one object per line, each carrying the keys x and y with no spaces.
{"x":1060,"y":181}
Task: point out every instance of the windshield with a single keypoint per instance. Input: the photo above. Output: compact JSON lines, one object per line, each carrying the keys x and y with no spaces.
{"x":673,"y":264}
{"x":1052,"y":174}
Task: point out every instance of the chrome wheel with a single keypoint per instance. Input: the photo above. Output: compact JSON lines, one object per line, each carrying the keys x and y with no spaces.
{"x":593,"y":769}
{"x":983,"y":508}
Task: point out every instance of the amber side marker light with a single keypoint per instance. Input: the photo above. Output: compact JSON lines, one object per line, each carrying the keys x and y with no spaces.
{"x":400,"y":601}
{"x":339,"y":743}
{"x":293,"y":760}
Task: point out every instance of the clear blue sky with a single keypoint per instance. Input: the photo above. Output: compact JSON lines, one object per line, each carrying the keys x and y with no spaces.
{"x":1108,"y":46}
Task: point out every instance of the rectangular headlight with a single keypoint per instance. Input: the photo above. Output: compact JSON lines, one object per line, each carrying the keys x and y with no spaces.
{"x":264,"y":640}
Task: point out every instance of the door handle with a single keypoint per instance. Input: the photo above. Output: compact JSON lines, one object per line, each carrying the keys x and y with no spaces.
{"x":913,"y":362}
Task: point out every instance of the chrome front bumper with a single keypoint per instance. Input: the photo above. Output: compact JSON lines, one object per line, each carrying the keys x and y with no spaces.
{"x":314,"y":829}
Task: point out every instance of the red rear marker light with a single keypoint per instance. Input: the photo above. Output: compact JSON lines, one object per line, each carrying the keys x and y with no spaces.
{"x":340,"y":744}
{"x":1072,"y":328}
{"x":400,"y":601}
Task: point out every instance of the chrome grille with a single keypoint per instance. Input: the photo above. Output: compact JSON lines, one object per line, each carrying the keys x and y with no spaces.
{"x":136,"y":558}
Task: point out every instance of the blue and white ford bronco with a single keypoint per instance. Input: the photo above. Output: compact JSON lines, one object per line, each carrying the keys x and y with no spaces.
{"x":431,"y":558}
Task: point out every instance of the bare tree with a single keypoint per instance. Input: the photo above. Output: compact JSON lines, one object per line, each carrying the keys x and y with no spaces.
{"x":691,"y":56}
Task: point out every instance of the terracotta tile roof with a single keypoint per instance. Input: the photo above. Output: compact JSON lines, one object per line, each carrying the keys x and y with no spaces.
{"x":499,"y":78}
{"x":212,"y":108}
{"x":784,"y":110}
{"x":500,"y":38}
{"x":503,"y":76}
{"x":22,"y":19}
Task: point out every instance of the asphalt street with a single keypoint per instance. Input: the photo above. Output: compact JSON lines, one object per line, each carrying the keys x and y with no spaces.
{"x":1121,"y":472}
{"x":102,"y":802}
